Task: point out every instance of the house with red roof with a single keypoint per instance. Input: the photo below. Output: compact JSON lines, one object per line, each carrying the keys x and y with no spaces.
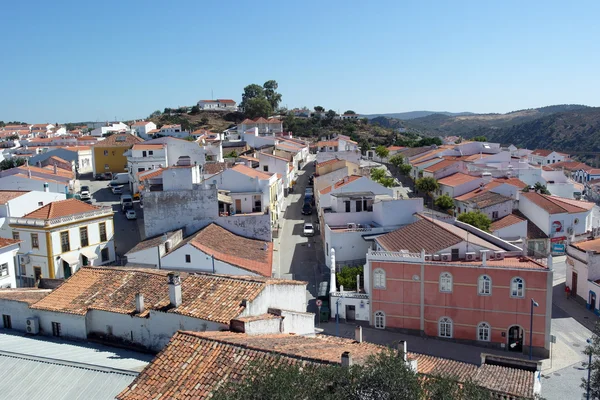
{"x":142,"y":129}
{"x":264,"y":126}
{"x":546,"y":157}
{"x":457,"y":184}
{"x":218,"y":105}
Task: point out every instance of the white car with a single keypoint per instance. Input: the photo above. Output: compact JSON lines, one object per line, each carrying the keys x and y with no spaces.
{"x":85,"y":193}
{"x":309,"y":229}
{"x":130,"y":214}
{"x":117,"y":189}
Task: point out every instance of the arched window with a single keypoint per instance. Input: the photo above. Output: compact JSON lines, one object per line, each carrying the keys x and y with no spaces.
{"x":485,"y":285}
{"x":517,"y":287}
{"x":446,"y":282}
{"x":483,"y":332}
{"x":445,"y":327}
{"x":379,"y":320}
{"x":379,"y":279}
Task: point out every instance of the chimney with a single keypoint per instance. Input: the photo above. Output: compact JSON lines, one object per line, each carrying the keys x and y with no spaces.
{"x":39,"y":164}
{"x":358,"y":283}
{"x":346,"y":359}
{"x":46,"y":187}
{"x":55,"y":169}
{"x":139,"y":303}
{"x":174,"y":282}
{"x":28,"y":173}
{"x":483,"y":257}
{"x":358,"y":334}
{"x":402,"y":350}
{"x":332,"y":285}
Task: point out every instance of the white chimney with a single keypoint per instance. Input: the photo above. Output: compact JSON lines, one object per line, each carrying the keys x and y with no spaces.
{"x":139,"y":303}
{"x":174,"y":282}
{"x":484,"y":257}
{"x":332,"y":285}
{"x":358,"y":283}
{"x":346,"y":359}
{"x":402,"y":350}
{"x":55,"y":169}
{"x":358,"y":334}
{"x":46,"y":187}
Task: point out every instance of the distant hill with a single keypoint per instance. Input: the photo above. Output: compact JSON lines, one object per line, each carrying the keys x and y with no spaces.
{"x":414,"y":114}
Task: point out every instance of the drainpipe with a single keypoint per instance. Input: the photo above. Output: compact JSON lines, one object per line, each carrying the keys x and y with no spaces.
{"x":213,"y":262}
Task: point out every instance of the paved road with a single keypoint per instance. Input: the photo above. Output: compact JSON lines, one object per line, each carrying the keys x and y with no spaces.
{"x":127,"y":233}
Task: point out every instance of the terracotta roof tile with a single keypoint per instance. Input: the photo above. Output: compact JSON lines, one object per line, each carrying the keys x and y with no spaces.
{"x":487,"y":199}
{"x":249,"y":158}
{"x":212,"y":168}
{"x":588,"y":245}
{"x":119,"y":140}
{"x":61,"y":208}
{"x":56,"y":158}
{"x":395,"y":148}
{"x":328,"y":162}
{"x":509,"y":220}
{"x":219,"y":357}
{"x":140,"y":123}
{"x":440,"y":165}
{"x":24,"y":295}
{"x":253,"y":173}
{"x":273,"y":156}
{"x":541,"y":152}
{"x":5,"y":242}
{"x":558,"y":205}
{"x":457,"y":179}
{"x":340,"y":183}
{"x":420,"y":235}
{"x":151,"y":242}
{"x":328,"y":143}
{"x":7,"y":195}
{"x":145,"y":175}
{"x":63,"y":173}
{"x":250,"y":254}
{"x":143,"y":146}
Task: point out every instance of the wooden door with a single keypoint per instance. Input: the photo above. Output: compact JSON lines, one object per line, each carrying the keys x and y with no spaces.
{"x":574,"y":284}
{"x":238,"y":206}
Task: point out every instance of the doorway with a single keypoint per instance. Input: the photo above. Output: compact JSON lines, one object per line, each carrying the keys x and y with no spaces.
{"x":592,"y":301}
{"x":574,"y":284}
{"x":515,"y":339}
{"x":238,"y":206}
{"x":66,"y":269}
{"x":350,"y":313}
{"x":454,"y":254}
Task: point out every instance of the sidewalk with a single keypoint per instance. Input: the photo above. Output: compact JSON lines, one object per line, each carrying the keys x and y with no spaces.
{"x":572,"y":308}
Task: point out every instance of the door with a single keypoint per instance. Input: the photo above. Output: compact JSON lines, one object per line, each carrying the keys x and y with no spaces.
{"x":574,"y":284}
{"x":238,"y":205}
{"x":454,"y":254}
{"x":515,"y":339}
{"x":350,"y":313}
{"x":66,"y":269}
{"x":592,"y":301}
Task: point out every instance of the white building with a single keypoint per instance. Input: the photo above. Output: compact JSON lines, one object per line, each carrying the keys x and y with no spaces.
{"x":351,"y":184}
{"x":264,"y":125}
{"x":8,"y":272}
{"x":458,"y":184}
{"x":142,"y":129}
{"x":14,"y":203}
{"x":173,"y":131}
{"x":545,"y":157}
{"x":218,"y":105}
{"x":145,"y":307}
{"x":279,"y":165}
{"x":115,"y":127}
{"x":340,"y":147}
{"x":31,"y":177}
{"x":212,"y":249}
{"x":62,"y":236}
{"x":583,"y":273}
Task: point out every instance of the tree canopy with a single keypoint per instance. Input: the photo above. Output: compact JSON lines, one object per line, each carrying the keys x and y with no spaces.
{"x":271,"y":94}
{"x":258,"y":107}
{"x":593,"y":348}
{"x":347,"y":277}
{"x":477,"y":219}
{"x":382,"y":152}
{"x":405,"y":169}
{"x":319,"y":109}
{"x":444,"y":202}
{"x":253,"y":96}
{"x":427,"y":184}
{"x":12,"y":163}
{"x":396,"y":160}
{"x":350,"y":112}
{"x":377,"y":174}
{"x":480,"y":139}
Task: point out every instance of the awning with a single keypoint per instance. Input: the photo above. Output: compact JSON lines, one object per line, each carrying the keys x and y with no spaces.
{"x":89,"y":253}
{"x":70,"y":258}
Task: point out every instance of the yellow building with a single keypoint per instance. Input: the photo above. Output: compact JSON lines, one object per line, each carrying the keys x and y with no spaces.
{"x":108,"y":153}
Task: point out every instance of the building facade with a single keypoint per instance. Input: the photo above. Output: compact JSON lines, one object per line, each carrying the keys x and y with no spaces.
{"x":109,"y":154}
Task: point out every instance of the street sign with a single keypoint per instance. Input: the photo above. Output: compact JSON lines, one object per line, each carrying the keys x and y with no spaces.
{"x":319,"y":303}
{"x":558,"y":248}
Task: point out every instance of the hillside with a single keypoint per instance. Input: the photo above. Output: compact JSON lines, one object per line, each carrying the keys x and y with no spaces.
{"x":210,"y":120}
{"x":570,"y":131}
{"x":414,"y":114}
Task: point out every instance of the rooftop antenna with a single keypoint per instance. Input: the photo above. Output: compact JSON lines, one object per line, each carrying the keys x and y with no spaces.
{"x":212,"y":95}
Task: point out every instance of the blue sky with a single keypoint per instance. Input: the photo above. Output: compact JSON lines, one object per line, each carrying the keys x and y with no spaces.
{"x":78,"y":60}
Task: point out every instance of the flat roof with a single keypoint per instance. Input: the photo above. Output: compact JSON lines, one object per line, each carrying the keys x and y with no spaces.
{"x":352,"y":194}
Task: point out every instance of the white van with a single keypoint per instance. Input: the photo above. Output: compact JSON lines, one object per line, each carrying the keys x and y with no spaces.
{"x":120,"y":179}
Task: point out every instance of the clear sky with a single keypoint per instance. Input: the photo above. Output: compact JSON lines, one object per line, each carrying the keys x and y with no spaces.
{"x":81,"y":60}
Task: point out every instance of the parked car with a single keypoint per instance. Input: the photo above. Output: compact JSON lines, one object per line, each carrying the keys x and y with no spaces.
{"x":107,"y":176}
{"x":126,"y":202}
{"x":85,"y":193}
{"x":117,"y":189}
{"x":306,"y":209}
{"x":309,"y":229}
{"x":130,"y":214}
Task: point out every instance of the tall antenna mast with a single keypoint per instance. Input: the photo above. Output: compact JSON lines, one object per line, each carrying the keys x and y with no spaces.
{"x":212,"y":96}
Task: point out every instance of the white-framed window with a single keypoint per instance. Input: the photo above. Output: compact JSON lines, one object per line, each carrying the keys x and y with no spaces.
{"x":445,"y":327}
{"x":446,"y":282}
{"x":483,"y":332}
{"x":379,"y":279}
{"x":4,"y":269}
{"x":379,"y":320}
{"x":484,"y":285}
{"x":517,"y":287}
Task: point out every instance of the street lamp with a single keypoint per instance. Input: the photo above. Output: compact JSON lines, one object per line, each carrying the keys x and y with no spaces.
{"x":533,"y":304}
{"x":589,"y":341}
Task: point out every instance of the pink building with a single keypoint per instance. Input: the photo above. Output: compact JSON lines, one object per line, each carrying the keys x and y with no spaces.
{"x":480,"y":295}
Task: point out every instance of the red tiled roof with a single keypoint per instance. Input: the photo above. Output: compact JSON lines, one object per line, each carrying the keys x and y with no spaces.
{"x":7,"y":195}
{"x":487,"y":199}
{"x":273,"y":156}
{"x":457,"y":179}
{"x":63,"y":173}
{"x":61,"y":208}
{"x":588,"y":245}
{"x":119,"y":140}
{"x":145,"y":175}
{"x":420,"y":235}
{"x":558,"y":205}
{"x":249,"y":158}
{"x":140,"y":123}
{"x":253,"y":173}
{"x":332,"y":161}
{"x":440,"y":165}
{"x":143,"y":146}
{"x":24,"y":295}
{"x":212,"y":168}
{"x":509,"y":220}
{"x":395,"y":148}
{"x":340,"y":183}
{"x":4,"y":242}
{"x":541,"y":152}
{"x":250,"y":254}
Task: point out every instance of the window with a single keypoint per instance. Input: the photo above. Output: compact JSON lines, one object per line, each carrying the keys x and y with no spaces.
{"x":55,"y":329}
{"x":379,"y":320}
{"x":102,"y":227}
{"x":104,"y":254}
{"x":6,"y":321}
{"x":517,"y":287}
{"x":4,"y":269}
{"x":106,"y":167}
{"x":144,"y":154}
{"x":64,"y":241}
{"x":485,"y":285}
{"x":83,"y":235}
{"x":379,"y":279}
{"x":151,"y":153}
{"x":483,"y":332}
{"x":16,"y":235}
{"x":40,"y":203}
{"x":266,"y":168}
{"x":494,"y":214}
{"x":37,"y":272}
{"x":359,"y":205}
{"x":23,"y":269}
{"x":141,"y":169}
{"x":445,"y":327}
{"x":347,"y":205}
{"x":35,"y":244}
{"x":446,"y":282}
{"x":105,"y":152}
{"x":188,"y":258}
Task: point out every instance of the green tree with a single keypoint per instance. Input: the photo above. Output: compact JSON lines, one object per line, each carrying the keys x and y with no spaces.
{"x":540,"y":188}
{"x":427,"y":185}
{"x":319,"y":109}
{"x":271,"y":94}
{"x":330,"y":115}
{"x":377,"y":174}
{"x":204,"y":120}
{"x":480,"y":139}
{"x":382,"y":152}
{"x":477,"y":219}
{"x":12,"y":163}
{"x":396,"y":160}
{"x":195,"y":110}
{"x":258,"y":107}
{"x":444,"y":202}
{"x":593,"y":349}
{"x":231,"y":154}
{"x":364,"y":146}
{"x":347,"y":277}
{"x":365,"y":120}
{"x":405,"y":169}
{"x":155,"y":114}
{"x":251,"y":92}
{"x":350,"y":112}
{"x":387,"y":181}
{"x":167,"y":110}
